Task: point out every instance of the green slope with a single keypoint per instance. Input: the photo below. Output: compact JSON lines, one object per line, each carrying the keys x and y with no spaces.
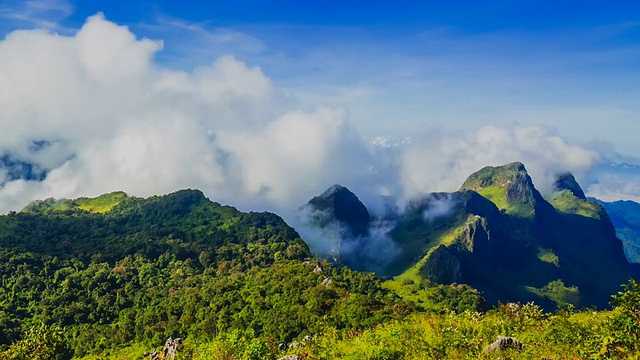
{"x":553,"y":252}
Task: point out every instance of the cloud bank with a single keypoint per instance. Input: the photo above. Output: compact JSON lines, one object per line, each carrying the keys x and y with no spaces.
{"x":94,"y":112}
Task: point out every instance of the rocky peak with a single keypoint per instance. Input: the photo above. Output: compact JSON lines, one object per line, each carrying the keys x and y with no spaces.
{"x":566,"y":181}
{"x":338,"y":203}
{"x":508,"y":186}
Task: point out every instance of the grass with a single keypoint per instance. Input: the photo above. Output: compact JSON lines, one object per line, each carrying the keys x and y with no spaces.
{"x":446,"y":236}
{"x":564,"y":201}
{"x":133,"y":351}
{"x":498,"y":195}
{"x":406,"y":284}
{"x":548,"y":256}
{"x":100,"y":204}
{"x":557,"y":291}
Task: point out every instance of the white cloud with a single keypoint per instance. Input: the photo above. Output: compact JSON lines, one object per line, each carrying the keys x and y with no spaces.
{"x":441,"y":162}
{"x":115,"y":119}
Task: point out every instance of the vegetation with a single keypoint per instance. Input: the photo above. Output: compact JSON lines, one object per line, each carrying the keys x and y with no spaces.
{"x":115,"y":276}
{"x":176,"y":265}
{"x":566,"y":202}
{"x":565,"y":334}
{"x":497,"y":184}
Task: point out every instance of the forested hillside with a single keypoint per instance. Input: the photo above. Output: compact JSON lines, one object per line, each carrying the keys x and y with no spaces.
{"x":117,"y":269}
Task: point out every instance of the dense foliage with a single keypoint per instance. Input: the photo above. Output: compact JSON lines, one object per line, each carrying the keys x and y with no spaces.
{"x":565,"y":334}
{"x":176,"y":265}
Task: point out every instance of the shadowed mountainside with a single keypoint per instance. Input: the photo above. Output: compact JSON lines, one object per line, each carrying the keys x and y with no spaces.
{"x":499,"y":235}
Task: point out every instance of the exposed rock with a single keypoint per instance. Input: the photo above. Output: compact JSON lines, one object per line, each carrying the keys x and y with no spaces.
{"x":171,"y":347}
{"x":326,"y":282}
{"x":282,"y":346}
{"x":317,"y":270}
{"x":442,"y":266}
{"x":154,"y":355}
{"x":295,"y":345}
{"x":289,"y":357}
{"x":308,"y":337}
{"x":505,"y":343}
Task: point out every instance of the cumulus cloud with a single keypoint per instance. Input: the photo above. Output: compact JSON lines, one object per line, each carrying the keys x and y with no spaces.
{"x":111,"y":118}
{"x":443,"y":161}
{"x":97,"y":113}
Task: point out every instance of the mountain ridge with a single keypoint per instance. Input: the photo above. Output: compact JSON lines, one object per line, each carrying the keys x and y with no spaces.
{"x":501,"y":236}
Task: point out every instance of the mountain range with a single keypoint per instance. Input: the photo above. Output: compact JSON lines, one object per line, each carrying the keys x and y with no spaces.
{"x":497,"y":234}
{"x":94,"y":275}
{"x":625,"y":216}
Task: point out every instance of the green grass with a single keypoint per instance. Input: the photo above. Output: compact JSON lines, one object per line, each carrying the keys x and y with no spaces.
{"x":557,"y":291}
{"x":548,"y":256}
{"x":100,"y":204}
{"x":564,"y":201}
{"x":493,"y":183}
{"x":498,"y":195}
{"x":133,"y":351}
{"x":446,"y":237}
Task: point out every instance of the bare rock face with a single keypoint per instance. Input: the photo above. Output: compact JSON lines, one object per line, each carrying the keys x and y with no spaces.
{"x":168,"y":352}
{"x":171,"y":347}
{"x":505,"y":343}
{"x":442,"y":266}
{"x":289,"y":357}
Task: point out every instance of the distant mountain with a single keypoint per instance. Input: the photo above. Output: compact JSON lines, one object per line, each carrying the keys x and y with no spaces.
{"x":499,"y":235}
{"x":625,"y":216}
{"x":339,"y":204}
{"x":344,"y":218}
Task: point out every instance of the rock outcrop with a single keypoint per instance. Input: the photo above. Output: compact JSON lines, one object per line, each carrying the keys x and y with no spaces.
{"x":505,"y":343}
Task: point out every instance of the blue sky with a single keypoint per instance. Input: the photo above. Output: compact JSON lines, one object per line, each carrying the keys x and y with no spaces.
{"x":424,"y":70}
{"x":425,"y":64}
{"x":570,"y":65}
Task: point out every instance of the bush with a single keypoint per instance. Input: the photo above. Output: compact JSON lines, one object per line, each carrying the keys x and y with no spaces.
{"x":40,"y":343}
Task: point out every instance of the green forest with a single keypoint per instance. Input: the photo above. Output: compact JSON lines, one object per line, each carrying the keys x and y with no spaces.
{"x":115,"y":276}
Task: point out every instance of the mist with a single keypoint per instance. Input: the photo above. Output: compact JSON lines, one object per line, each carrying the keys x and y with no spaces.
{"x":373,"y":251}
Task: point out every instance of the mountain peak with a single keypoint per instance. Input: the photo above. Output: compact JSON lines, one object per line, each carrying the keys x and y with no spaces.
{"x":340,"y":204}
{"x":508,"y":186}
{"x":567,"y":181}
{"x":335,"y":190}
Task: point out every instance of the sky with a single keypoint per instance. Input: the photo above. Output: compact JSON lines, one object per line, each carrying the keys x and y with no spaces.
{"x":264,"y":104}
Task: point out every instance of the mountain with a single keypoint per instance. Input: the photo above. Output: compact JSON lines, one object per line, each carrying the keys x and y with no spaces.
{"x":499,"y":235}
{"x":339,"y":204}
{"x":625,"y":216}
{"x":116,"y":270}
{"x":345,"y":221}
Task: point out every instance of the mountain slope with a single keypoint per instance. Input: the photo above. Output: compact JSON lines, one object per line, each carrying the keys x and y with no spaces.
{"x":499,"y":235}
{"x":625,"y":216}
